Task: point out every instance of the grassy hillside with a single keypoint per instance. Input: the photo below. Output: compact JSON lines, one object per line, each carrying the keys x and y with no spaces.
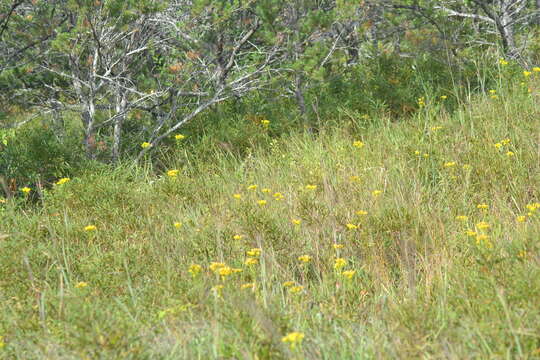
{"x":417,"y":238}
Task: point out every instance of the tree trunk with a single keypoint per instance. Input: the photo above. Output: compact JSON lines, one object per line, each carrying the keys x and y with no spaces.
{"x":88,"y":117}
{"x":120,"y":107}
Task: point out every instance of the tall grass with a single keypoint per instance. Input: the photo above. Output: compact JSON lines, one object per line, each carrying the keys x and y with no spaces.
{"x":436,"y":218}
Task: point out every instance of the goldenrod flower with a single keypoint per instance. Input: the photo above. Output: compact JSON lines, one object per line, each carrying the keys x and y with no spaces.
{"x":521,"y":219}
{"x":237,"y":237}
{"x":26,"y":190}
{"x":145,"y":145}
{"x":293,"y":339}
{"x":492,"y":91}
{"x":498,"y":145}
{"x":361,"y":212}
{"x":482,"y":206}
{"x":462,"y":218}
{"x":252,"y":187}
{"x":261,"y":202}
{"x":421,"y":102}
{"x":173,"y":173}
{"x":62,"y":181}
{"x":533,"y":207}
{"x":265,"y":123}
{"x":178,"y":225}
{"x":311,"y":187}
{"x":278,"y":196}
{"x":436,"y":128}
{"x":358,"y":144}
{"x":339,"y":263}
{"x":536,"y":69}
{"x":224,"y":271}
{"x":352,"y":226}
{"x":288,"y":283}
{"x":416,"y":152}
{"x":81,"y":285}
{"x":450,"y":164}
{"x":503,"y":62}
{"x":179,"y":137}
{"x":215,"y":266}
{"x":376,"y":193}
{"x":304,"y":258}
{"x":251,"y":261}
{"x":527,"y":73}
{"x":338,"y":246}
{"x":505,"y":141}
{"x":255,"y":252}
{"x":90,"y":228}
{"x":194,"y":269}
{"x":349,"y":273}
{"x":444,"y":97}
{"x":237,"y":196}
{"x":510,"y":153}
{"x":483,"y":239}
{"x":296,"y":221}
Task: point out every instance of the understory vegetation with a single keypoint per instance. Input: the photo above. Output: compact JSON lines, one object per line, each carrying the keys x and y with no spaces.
{"x":369,"y":238}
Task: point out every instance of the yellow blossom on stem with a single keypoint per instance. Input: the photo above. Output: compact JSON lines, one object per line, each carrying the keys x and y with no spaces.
{"x":304,"y":258}
{"x":278,"y":196}
{"x":173,"y":173}
{"x":339,"y":263}
{"x":462,"y":218}
{"x":26,"y":190}
{"x":521,"y":219}
{"x":255,"y":252}
{"x":337,"y":246}
{"x":195,"y":269}
{"x":62,"y":181}
{"x":498,"y":145}
{"x":237,"y":237}
{"x":296,"y":221}
{"x":293,"y":339}
{"x":450,"y":164}
{"x":81,"y":285}
{"x":358,"y":144}
{"x":252,"y":187}
{"x":361,"y":212}
{"x":352,"y":226}
{"x":482,"y":225}
{"x":251,"y":261}
{"x":266,"y":190}
{"x":261,"y":202}
{"x":510,"y":153}
{"x":265,"y":123}
{"x":444,"y":97}
{"x":349,"y":273}
{"x":288,"y":283}
{"x":482,"y":206}
{"x":296,"y":289}
{"x":90,"y":228}
{"x":311,"y":187}
{"x":145,"y":145}
{"x":527,"y":73}
{"x":503,"y":62}
{"x":179,"y":137}
{"x":237,"y":196}
{"x":215,"y":266}
{"x":536,"y":69}
{"x":178,"y":225}
{"x":470,"y":233}
{"x":248,"y":286}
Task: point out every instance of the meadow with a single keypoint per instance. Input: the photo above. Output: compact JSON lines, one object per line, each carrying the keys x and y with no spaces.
{"x":372,"y":238}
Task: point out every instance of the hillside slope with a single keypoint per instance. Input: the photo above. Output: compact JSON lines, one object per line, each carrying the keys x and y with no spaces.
{"x":396,"y":240}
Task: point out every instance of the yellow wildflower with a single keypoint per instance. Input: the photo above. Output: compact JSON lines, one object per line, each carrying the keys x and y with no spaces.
{"x":265,"y":123}
{"x":450,"y":164}
{"x":194,"y":269}
{"x":178,"y":225}
{"x":304,"y":258}
{"x":296,"y":221}
{"x":358,"y":144}
{"x":237,"y":196}
{"x":266,"y":190}
{"x":510,"y":153}
{"x":311,"y":187}
{"x":293,"y":339}
{"x":482,"y":225}
{"x":26,"y":190}
{"x":296,"y":289}
{"x":498,"y":145}
{"x":361,"y":212}
{"x":145,"y":145}
{"x":215,"y":266}
{"x":90,"y":228}
{"x":261,"y":202}
{"x":527,"y":73}
{"x":470,"y":233}
{"x":248,"y":286}
{"x":503,"y":62}
{"x":352,"y":226}
{"x":354,"y":178}
{"x":3,"y":201}
{"x":252,"y":187}
{"x":251,"y":261}
{"x":338,"y":246}
{"x":505,"y":141}
{"x":81,"y":285}
{"x":482,"y":206}
{"x":255,"y":252}
{"x":536,"y":69}
{"x":492,"y":91}
{"x":62,"y":181}
{"x":533,"y":207}
{"x":467,"y":167}
{"x":521,"y":219}
{"x":483,"y":239}
{"x":376,"y":193}
{"x":237,"y":237}
{"x":179,"y":137}
{"x":416,"y":152}
{"x":436,"y":128}
{"x":225,"y":271}
{"x":462,"y":218}
{"x":494,"y":96}
{"x":288,"y":283}
{"x":173,"y":173}
{"x":421,"y":102}
{"x":278,"y":196}
{"x":349,"y":273}
{"x":2,"y":344}
{"x":444,"y":97}
{"x":339,"y":263}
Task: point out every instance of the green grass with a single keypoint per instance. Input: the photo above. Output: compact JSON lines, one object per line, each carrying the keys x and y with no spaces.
{"x":422,"y":287}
